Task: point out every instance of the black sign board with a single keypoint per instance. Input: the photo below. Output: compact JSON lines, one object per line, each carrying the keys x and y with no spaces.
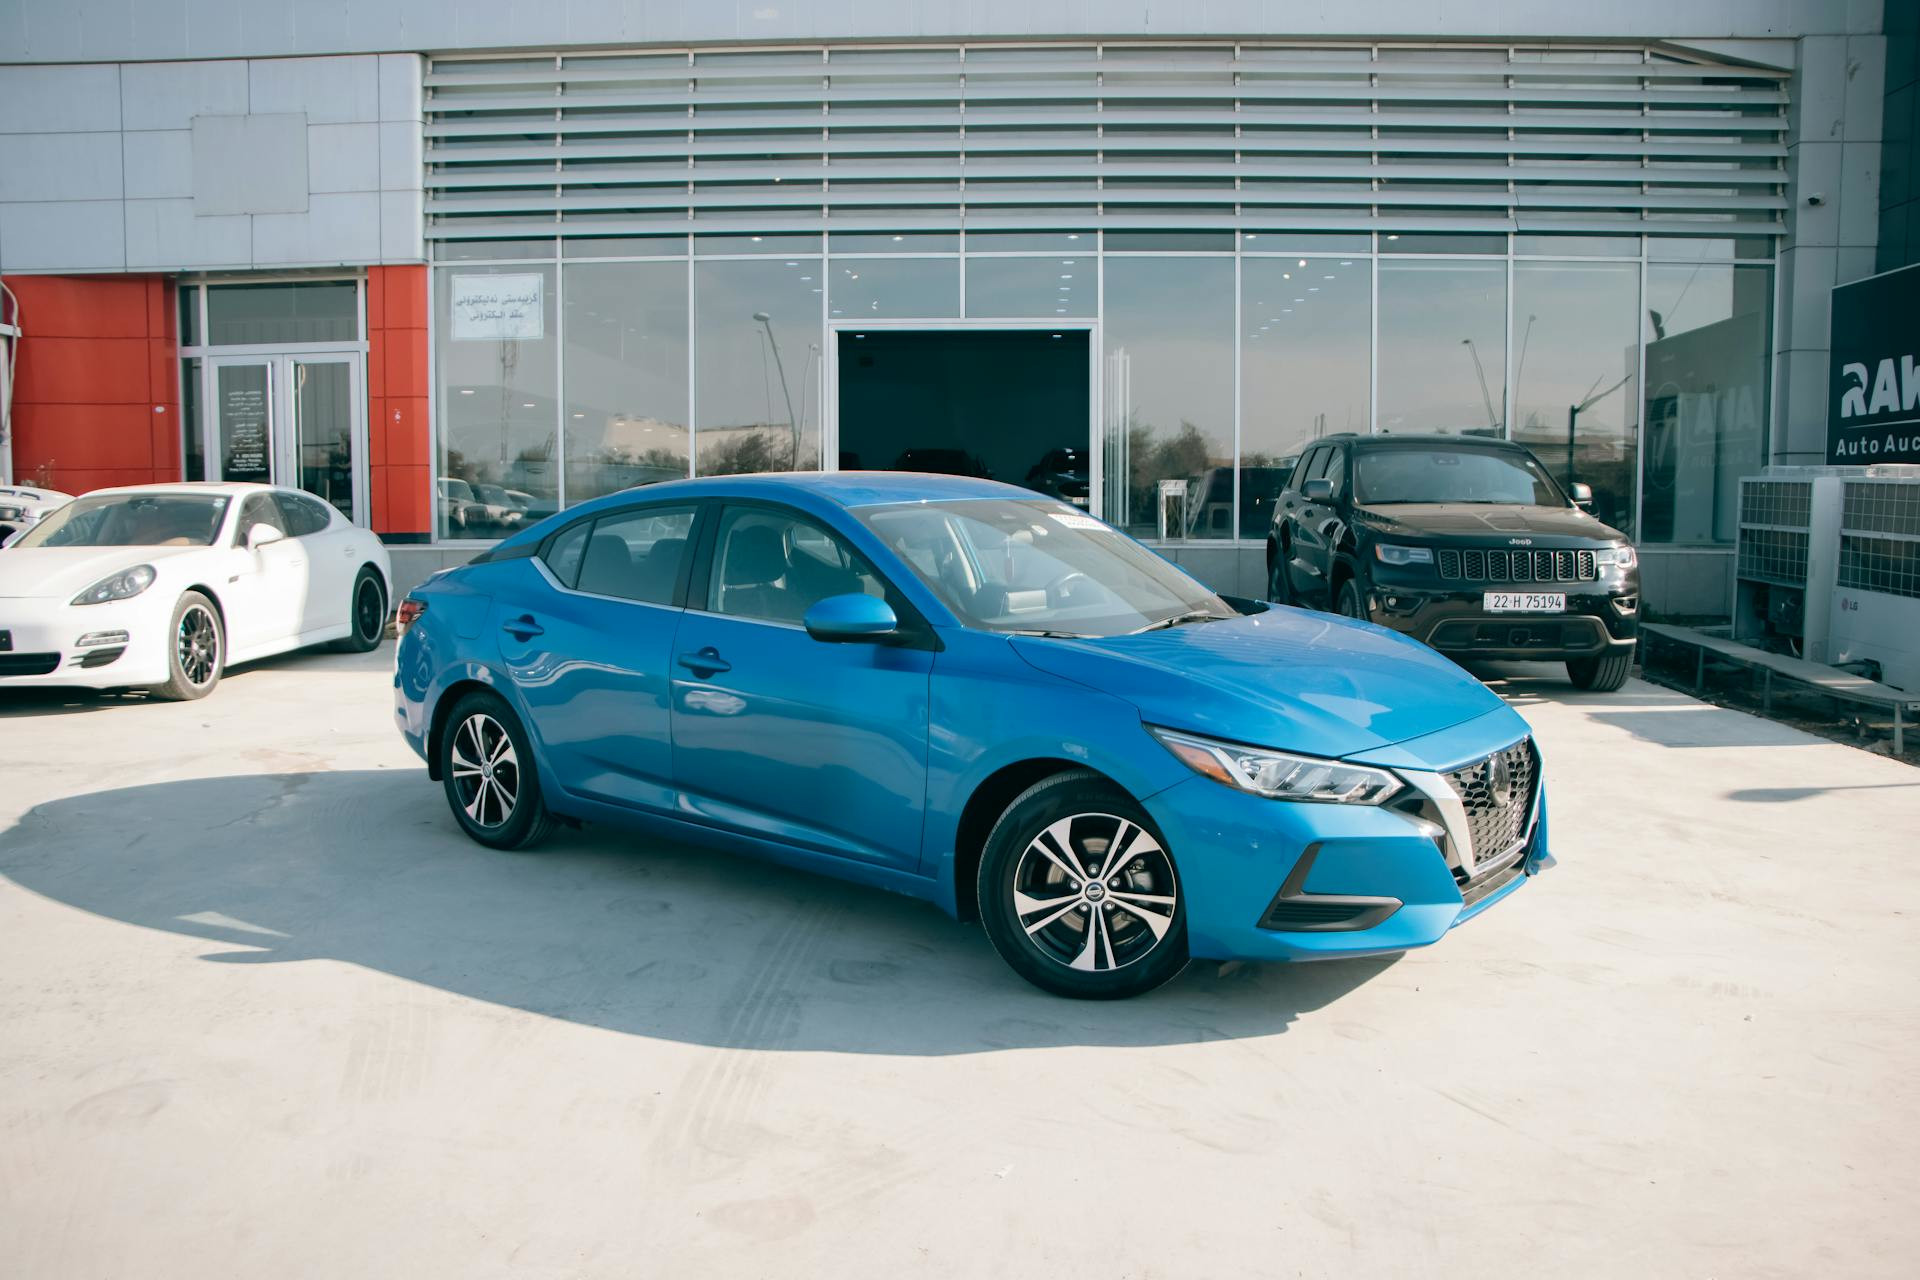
{"x":1873,"y":388}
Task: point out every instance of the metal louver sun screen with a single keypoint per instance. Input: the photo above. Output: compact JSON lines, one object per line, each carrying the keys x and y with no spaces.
{"x":1300,"y":136}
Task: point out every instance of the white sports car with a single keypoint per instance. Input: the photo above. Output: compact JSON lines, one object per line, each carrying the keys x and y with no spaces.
{"x":161,"y":586}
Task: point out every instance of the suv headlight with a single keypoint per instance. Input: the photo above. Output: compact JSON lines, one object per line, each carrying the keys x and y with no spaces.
{"x":1389,"y":553}
{"x":1621,"y":555}
{"x":119,"y":586}
{"x":1280,"y":775}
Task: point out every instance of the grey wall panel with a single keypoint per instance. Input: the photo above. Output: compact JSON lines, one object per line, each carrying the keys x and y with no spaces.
{"x":60,"y":166}
{"x":76,"y":99}
{"x":61,"y":31}
{"x":249,"y":164}
{"x":168,"y":95}
{"x":84,"y":235}
{"x":157,"y":164}
{"x":165,"y":235}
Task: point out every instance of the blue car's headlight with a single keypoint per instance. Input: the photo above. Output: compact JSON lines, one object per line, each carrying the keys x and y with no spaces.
{"x":119,"y":586}
{"x":1280,"y":775}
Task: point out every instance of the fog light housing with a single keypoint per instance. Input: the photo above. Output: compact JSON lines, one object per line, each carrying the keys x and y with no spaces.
{"x":93,"y":638}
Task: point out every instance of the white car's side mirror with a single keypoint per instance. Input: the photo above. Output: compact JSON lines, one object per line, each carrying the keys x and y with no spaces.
{"x":261,"y":534}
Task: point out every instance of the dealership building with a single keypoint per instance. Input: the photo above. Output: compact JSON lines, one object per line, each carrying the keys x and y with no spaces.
{"x":454,"y":267}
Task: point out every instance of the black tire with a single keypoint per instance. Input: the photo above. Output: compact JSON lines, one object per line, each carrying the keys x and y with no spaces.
{"x":485,"y":780}
{"x":366,"y":614}
{"x":1604,"y":674}
{"x":1279,"y":586}
{"x":1139,"y":938}
{"x":1347,"y":602}
{"x":196,"y":650}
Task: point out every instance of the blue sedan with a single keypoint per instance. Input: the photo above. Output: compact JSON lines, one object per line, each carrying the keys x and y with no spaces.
{"x":979,"y":696}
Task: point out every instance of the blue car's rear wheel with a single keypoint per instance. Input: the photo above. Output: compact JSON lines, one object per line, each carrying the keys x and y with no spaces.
{"x":487,"y":768}
{"x":1079,"y":893}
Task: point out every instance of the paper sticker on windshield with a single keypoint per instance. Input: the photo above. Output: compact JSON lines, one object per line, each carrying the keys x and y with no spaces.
{"x":1074,"y":520}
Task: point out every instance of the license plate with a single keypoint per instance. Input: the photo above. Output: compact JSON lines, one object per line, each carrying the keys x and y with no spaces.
{"x":1525,"y":601}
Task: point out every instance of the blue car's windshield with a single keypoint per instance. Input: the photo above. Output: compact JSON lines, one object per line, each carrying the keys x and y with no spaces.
{"x":1038,"y":567}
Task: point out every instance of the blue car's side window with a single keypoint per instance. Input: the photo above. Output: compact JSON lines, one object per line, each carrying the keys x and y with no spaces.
{"x":636,"y":555}
{"x":563,"y":552}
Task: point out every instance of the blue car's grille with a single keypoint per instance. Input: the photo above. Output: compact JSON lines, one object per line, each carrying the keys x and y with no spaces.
{"x":1500,"y":565}
{"x":1497,"y":793}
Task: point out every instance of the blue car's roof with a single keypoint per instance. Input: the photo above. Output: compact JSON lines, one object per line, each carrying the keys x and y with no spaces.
{"x":844,"y":488}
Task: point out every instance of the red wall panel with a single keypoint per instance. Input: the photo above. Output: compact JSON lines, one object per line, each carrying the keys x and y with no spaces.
{"x":398,"y":438}
{"x":97,"y":401}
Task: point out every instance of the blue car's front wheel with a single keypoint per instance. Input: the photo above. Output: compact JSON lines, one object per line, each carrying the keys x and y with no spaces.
{"x":1079,"y":893}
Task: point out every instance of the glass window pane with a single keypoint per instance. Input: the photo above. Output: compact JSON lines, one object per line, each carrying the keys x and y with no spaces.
{"x":1169,"y":241}
{"x":484,"y":250}
{"x":323,"y":408}
{"x":193,"y":462}
{"x":884,"y":242}
{"x":625,"y":247}
{"x":626,"y":335}
{"x":1016,"y":241}
{"x":1168,"y":367}
{"x":564,"y":550}
{"x":636,"y":555}
{"x":1575,"y":364}
{"x":1578,"y":246}
{"x":290,"y":311}
{"x":1442,"y":242}
{"x":1443,"y":335}
{"x":189,"y":303}
{"x":876,"y":288}
{"x":1045,"y":287}
{"x":1305,"y":242}
{"x":1306,"y":335}
{"x":498,"y":379}
{"x":245,"y":399}
{"x":757,"y":343}
{"x":756,"y":244}
{"x":1707,"y":335}
{"x":774,"y":566}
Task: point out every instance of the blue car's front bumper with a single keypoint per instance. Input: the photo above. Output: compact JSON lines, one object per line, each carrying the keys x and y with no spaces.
{"x":1239,"y":850}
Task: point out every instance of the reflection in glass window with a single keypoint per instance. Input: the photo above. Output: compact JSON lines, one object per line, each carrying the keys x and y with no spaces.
{"x":288,"y":311}
{"x":878,"y":288}
{"x":1575,"y":362}
{"x":1042,"y":287}
{"x":1168,"y":368}
{"x":626,"y":372}
{"x":757,"y":344}
{"x":1707,"y":339}
{"x":498,"y":373}
{"x":1306,"y":334}
{"x":1443,"y":337}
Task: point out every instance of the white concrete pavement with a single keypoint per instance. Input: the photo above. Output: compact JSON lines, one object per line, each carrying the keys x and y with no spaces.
{"x":263,"y":1009}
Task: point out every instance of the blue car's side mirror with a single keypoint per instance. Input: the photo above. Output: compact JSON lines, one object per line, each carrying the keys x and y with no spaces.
{"x":854,"y":616}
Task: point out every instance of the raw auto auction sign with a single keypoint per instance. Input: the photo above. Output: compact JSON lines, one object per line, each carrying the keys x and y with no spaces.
{"x":1873,"y":405}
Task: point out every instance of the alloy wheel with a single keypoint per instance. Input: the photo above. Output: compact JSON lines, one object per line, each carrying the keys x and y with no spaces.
{"x":1095,"y":892}
{"x":197,"y":645}
{"x":486,"y":770}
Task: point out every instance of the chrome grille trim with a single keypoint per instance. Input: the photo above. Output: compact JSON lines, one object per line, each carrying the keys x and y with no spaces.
{"x":1498,"y":564}
{"x":1465,"y":812}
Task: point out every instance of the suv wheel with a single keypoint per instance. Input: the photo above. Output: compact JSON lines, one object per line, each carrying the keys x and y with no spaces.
{"x":1348,"y":602}
{"x":1279,"y":589}
{"x":1603,"y":674}
{"x":1078,"y":892}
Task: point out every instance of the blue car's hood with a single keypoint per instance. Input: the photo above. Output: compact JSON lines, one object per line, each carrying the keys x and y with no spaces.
{"x":1284,"y":678}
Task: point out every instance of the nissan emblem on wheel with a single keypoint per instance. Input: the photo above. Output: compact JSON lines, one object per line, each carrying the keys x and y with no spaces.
{"x":1465,"y":543}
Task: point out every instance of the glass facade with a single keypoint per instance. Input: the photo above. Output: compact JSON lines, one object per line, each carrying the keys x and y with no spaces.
{"x":1636,"y":365}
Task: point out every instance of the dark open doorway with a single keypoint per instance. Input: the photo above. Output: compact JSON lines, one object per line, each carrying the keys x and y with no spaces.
{"x":1012,"y":405}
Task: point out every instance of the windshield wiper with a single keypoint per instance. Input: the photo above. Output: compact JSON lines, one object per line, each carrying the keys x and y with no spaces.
{"x":1049,"y":635}
{"x":1180,"y":619}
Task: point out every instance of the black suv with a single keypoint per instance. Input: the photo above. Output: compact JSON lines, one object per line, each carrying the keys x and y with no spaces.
{"x":1462,"y":542}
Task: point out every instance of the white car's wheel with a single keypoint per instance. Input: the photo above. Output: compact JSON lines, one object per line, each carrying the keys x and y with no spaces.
{"x":368,"y":614}
{"x":196,"y":650}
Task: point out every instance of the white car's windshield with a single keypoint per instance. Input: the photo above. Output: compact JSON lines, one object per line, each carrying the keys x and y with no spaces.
{"x":1424,"y":473}
{"x":132,"y":520}
{"x":1039,"y":568}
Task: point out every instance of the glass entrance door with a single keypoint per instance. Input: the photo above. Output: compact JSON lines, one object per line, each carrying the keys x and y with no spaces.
{"x":296,"y":420}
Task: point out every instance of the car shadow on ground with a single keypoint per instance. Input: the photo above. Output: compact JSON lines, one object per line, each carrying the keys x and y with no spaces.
{"x":598,"y":927}
{"x":49,"y":700}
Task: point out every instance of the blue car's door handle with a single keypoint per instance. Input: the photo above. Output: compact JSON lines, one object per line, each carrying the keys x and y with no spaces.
{"x":707,"y":662}
{"x":523,"y":627}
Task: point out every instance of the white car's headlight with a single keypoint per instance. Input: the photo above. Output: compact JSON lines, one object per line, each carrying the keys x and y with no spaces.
{"x":119,"y":586}
{"x":1621,"y":555}
{"x":1280,"y":775}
